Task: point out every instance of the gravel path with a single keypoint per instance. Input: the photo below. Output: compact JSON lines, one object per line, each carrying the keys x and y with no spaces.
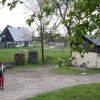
{"x":22,"y":84}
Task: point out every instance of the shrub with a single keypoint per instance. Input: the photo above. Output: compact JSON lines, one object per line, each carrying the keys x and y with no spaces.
{"x":64,"y":62}
{"x":61,"y":62}
{"x":51,"y":59}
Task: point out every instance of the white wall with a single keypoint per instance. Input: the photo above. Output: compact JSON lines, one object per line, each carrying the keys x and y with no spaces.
{"x":91,"y":59}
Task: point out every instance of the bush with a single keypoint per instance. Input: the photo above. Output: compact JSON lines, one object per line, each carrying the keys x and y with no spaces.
{"x":51,"y":59}
{"x":61,"y":62}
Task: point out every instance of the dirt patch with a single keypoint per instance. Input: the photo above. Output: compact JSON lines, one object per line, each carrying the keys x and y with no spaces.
{"x":24,"y":83}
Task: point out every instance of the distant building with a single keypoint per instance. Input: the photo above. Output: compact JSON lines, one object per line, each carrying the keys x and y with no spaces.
{"x":13,"y":37}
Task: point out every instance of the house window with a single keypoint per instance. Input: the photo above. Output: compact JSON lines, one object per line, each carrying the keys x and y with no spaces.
{"x":19,"y":43}
{"x":16,"y":43}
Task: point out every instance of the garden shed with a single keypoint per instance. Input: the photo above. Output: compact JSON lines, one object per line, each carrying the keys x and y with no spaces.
{"x":14,"y":37}
{"x":92,"y":58}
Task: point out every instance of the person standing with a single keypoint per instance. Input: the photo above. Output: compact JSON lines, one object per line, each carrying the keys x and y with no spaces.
{"x":2,"y":70}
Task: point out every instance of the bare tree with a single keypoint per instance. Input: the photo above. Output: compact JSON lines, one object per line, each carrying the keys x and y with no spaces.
{"x":40,"y":20}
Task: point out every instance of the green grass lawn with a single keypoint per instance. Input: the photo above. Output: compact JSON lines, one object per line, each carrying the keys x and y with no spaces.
{"x":76,"y":70}
{"x":8,"y":54}
{"x":51,"y":54}
{"x":80,"y":92}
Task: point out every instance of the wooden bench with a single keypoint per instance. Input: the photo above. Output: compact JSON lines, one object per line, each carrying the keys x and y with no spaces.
{"x":9,"y":64}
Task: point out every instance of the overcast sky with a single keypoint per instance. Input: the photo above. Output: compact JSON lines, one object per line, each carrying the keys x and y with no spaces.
{"x":15,"y":18}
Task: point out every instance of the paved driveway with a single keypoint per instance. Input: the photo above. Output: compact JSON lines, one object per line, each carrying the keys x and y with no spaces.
{"x":22,"y":84}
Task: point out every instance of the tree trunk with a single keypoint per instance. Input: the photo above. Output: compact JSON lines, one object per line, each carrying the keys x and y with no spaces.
{"x":42,"y":45}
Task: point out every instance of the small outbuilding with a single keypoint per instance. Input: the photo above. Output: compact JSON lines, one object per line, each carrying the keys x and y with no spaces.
{"x":92,"y":58}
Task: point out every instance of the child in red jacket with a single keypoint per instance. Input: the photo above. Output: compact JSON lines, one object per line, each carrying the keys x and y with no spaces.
{"x":2,"y":70}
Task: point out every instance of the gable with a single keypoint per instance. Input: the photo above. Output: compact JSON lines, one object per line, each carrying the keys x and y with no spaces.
{"x":6,"y":36}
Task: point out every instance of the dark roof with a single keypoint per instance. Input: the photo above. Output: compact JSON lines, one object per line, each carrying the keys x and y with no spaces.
{"x":95,"y":41}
